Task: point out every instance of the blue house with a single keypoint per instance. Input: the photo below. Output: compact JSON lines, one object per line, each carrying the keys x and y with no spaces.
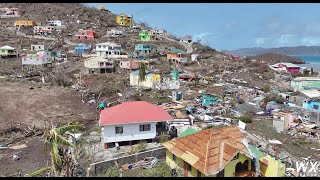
{"x":82,"y":49}
{"x":142,"y":49}
{"x":311,"y":104}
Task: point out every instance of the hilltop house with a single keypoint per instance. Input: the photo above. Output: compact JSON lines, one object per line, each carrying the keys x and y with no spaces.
{"x":215,"y":152}
{"x":286,"y":67}
{"x":56,"y":23}
{"x":115,"y":33}
{"x":186,"y":40}
{"x":124,"y":20}
{"x":99,"y":64}
{"x":85,"y":35}
{"x":25,"y":23}
{"x":152,"y":80}
{"x":38,"y":47}
{"x":132,"y":121}
{"x":31,"y":61}
{"x":81,"y":49}
{"x":283,"y":120}
{"x":8,"y":51}
{"x":149,"y":35}
{"x":43,"y":30}
{"x":177,"y":55}
{"x":306,"y":83}
{"x":131,"y":64}
{"x":110,"y":50}
{"x":9,"y":12}
{"x":142,"y":49}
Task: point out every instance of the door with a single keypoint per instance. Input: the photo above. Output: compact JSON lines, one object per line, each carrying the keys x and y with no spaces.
{"x":185,"y":169}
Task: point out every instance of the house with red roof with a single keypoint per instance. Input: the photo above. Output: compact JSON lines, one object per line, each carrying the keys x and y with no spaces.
{"x":133,"y":121}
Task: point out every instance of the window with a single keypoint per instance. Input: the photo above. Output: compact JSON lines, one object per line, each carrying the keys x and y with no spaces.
{"x":189,"y":167}
{"x":119,"y":129}
{"x":236,"y":157}
{"x":101,"y":63}
{"x":174,"y":157}
{"x":198,"y":174}
{"x":316,"y":107}
{"x":145,"y":127}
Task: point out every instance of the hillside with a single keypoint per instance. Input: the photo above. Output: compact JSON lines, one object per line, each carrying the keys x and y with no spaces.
{"x":276,"y":58}
{"x":298,"y":50}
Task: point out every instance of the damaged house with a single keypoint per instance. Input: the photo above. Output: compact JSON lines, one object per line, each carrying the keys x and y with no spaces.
{"x":286,"y":67}
{"x":215,"y":152}
{"x":124,"y":20}
{"x":131,"y":64}
{"x":305,"y":83}
{"x":115,"y":33}
{"x":32,"y":61}
{"x":43,"y":30}
{"x":110,"y":50}
{"x":85,"y":35}
{"x":8,"y":52}
{"x":146,"y":35}
{"x":132,"y":121}
{"x":82,"y":49}
{"x":177,"y":55}
{"x":142,"y":49}
{"x":186,"y":40}
{"x":9,"y":12}
{"x":99,"y":64}
{"x":25,"y":23}
{"x":56,"y":23}
{"x":38,"y":47}
{"x":152,"y":80}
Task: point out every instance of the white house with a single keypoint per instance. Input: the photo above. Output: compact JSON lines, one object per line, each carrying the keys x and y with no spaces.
{"x":110,"y":50}
{"x":115,"y":33}
{"x":32,"y":60}
{"x":186,"y":40}
{"x":56,"y":23}
{"x":38,"y":47}
{"x":99,"y":64}
{"x":132,"y":121}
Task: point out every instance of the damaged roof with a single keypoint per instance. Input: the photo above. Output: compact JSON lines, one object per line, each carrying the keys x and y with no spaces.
{"x":209,"y":151}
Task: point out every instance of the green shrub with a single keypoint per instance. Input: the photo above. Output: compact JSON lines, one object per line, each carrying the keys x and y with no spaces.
{"x":265,"y":88}
{"x":246,"y":118}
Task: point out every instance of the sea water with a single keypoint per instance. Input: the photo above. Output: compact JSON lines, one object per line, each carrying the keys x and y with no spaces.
{"x":313,"y":61}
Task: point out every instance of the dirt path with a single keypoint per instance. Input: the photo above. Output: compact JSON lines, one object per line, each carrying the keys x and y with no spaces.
{"x":19,"y":103}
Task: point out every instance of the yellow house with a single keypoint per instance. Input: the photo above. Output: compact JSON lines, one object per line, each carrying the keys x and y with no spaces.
{"x":26,"y":23}
{"x":270,"y":167}
{"x":215,"y":152}
{"x":124,"y":20}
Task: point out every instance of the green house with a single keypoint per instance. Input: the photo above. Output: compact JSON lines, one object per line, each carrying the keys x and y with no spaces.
{"x":208,"y":99}
{"x":144,"y":36}
{"x":7,"y":51}
{"x":306,"y":83}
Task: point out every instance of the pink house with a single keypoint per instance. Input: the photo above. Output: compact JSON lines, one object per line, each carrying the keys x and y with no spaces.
{"x":288,"y":67}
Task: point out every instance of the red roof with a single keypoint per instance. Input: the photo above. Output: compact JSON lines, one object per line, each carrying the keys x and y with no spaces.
{"x":133,"y":112}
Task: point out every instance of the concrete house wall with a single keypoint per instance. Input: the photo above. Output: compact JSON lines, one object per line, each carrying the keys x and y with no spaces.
{"x":131,"y":132}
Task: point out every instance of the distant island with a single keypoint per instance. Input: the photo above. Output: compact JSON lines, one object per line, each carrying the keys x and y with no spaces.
{"x":298,"y":50}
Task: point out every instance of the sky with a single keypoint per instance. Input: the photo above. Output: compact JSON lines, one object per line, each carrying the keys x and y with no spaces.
{"x":230,"y":26}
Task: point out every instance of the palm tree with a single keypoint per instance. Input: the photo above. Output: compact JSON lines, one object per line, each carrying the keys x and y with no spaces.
{"x":142,"y":72}
{"x":56,"y":143}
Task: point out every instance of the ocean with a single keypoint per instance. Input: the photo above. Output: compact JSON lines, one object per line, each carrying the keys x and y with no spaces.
{"x":312,"y":60}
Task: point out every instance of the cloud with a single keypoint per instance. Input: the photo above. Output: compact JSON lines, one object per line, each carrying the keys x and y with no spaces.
{"x":286,"y":40}
{"x":260,"y":41}
{"x":202,"y":36}
{"x":310,"y":41}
